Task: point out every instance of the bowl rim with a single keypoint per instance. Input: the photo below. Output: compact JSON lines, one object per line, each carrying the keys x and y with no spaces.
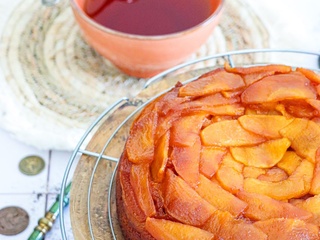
{"x":75,"y":6}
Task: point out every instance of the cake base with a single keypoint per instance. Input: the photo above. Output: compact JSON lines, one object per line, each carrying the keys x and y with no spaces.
{"x":129,"y":216}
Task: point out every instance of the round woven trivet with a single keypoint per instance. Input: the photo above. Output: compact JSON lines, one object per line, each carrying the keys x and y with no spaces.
{"x":54,"y":84}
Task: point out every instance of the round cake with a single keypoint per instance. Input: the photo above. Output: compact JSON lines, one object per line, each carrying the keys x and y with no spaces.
{"x":231,"y":155}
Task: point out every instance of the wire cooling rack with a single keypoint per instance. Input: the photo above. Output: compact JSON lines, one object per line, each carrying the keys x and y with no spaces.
{"x":184,"y":73}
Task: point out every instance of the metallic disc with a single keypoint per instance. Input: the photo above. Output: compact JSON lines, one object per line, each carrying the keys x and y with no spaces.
{"x":13,"y":220}
{"x":31,"y":165}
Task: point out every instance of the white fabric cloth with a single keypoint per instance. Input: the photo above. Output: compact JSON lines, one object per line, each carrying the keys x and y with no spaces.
{"x":292,"y":24}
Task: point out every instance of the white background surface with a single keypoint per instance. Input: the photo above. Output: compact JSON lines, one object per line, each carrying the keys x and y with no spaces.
{"x":36,"y":193}
{"x":291,"y":23}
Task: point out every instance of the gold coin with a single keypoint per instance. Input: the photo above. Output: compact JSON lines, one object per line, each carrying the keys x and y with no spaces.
{"x":13,"y":220}
{"x":31,"y":165}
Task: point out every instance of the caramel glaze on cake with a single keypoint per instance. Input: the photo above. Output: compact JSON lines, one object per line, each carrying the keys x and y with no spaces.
{"x":232,"y":155}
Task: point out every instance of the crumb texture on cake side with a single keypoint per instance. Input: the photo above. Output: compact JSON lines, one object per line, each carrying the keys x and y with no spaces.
{"x":231,"y":155}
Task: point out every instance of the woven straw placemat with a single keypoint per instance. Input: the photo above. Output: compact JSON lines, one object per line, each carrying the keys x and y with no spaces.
{"x":53,"y":85}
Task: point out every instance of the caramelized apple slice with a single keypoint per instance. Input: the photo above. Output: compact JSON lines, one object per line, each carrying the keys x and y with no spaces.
{"x":304,"y":136}
{"x":288,"y":229}
{"x":162,"y":229}
{"x":219,"y":119}
{"x":254,"y":77}
{"x":228,"y":133}
{"x":311,"y":205}
{"x":315,"y":184}
{"x":269,"y":108}
{"x":160,"y":158}
{"x":274,"y":68}
{"x":165,"y":123}
{"x":224,"y":226}
{"x":235,"y":109}
{"x":183,"y":203}
{"x":262,"y":207}
{"x":140,"y":143}
{"x":295,"y":186}
{"x":139,"y":179}
{"x":316,"y":120}
{"x":274,"y":174}
{"x":282,"y":109}
{"x":279,"y":87}
{"x":253,"y":172}
{"x":289,"y":162}
{"x":186,"y":161}
{"x":264,"y":155}
{"x":132,"y":209}
{"x":216,"y":99}
{"x":165,"y":103}
{"x":210,"y":159}
{"x":253,"y":74}
{"x":185,"y":131}
{"x":209,"y":84}
{"x":165,"y":106}
{"x":318,"y":89}
{"x":235,"y":94}
{"x":264,"y":125}
{"x":315,"y":104}
{"x":218,"y":197}
{"x":300,"y":108}
{"x":309,"y":74}
{"x":230,"y":175}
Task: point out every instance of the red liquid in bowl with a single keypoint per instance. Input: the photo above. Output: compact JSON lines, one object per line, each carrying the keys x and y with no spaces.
{"x":150,"y":17}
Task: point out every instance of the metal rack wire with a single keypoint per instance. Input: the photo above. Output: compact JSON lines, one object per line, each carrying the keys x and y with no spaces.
{"x":80,"y":148}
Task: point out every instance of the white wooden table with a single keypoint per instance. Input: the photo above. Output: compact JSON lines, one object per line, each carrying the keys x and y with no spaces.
{"x":35,"y":194}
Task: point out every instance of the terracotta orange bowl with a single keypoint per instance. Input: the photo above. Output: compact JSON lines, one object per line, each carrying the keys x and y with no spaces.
{"x":144,"y":56}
